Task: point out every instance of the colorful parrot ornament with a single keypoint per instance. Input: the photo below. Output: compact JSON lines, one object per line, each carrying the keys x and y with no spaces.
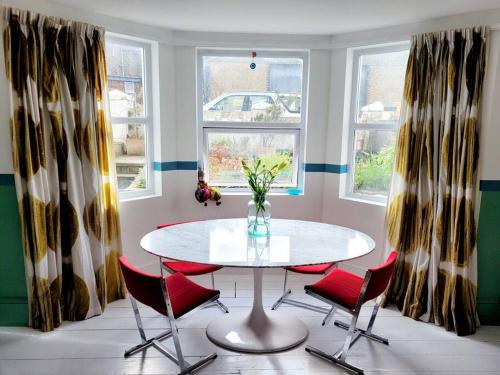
{"x":204,"y":192}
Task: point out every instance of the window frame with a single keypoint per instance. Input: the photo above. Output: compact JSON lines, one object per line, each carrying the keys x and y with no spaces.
{"x":147,"y":120}
{"x":298,"y":128}
{"x":353,"y":125}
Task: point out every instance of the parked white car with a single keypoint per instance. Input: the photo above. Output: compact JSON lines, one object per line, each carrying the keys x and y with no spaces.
{"x":253,"y":106}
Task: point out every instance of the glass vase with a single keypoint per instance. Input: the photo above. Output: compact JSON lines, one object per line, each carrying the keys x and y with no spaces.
{"x":259,"y":217}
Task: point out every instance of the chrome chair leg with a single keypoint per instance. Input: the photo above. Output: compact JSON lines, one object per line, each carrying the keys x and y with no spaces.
{"x":331,"y":358}
{"x":349,"y":339}
{"x":368,"y":332}
{"x":213,"y":280}
{"x":222,"y":306}
{"x":328,"y":316}
{"x":202,"y":362}
{"x":285,"y":300}
{"x":373,"y":316}
{"x":283,"y":296}
{"x":138,"y":319}
{"x":339,"y":358}
{"x":145,"y":343}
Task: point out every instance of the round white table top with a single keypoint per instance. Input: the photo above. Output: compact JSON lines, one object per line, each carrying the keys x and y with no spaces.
{"x":226,"y":243}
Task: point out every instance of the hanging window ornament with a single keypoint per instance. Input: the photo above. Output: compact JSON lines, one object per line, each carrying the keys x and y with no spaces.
{"x":253,"y":65}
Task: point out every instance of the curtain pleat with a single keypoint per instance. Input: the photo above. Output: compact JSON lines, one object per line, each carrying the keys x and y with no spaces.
{"x":431,"y":215}
{"x":62,"y":153}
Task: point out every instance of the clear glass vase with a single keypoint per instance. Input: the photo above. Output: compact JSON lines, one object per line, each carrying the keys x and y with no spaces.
{"x":259,"y":216}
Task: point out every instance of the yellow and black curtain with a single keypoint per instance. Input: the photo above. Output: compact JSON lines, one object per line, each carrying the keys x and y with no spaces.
{"x":63,"y":156}
{"x":431,"y":215}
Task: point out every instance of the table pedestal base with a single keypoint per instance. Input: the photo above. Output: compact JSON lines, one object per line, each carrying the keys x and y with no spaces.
{"x":258,"y":332}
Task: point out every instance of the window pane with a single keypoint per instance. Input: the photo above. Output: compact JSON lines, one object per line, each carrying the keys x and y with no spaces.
{"x":381,"y":80}
{"x":129,"y":143}
{"x":272,"y":92}
{"x":373,"y":155}
{"x":227,"y":150}
{"x":125,"y":65}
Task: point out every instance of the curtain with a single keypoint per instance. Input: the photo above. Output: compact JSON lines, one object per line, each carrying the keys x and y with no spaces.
{"x":63,"y":163}
{"x":431,"y":214}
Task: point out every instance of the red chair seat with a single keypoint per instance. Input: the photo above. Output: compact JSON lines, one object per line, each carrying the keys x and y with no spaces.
{"x":186,"y":295}
{"x":190,"y":269}
{"x":317,"y":269}
{"x":340,"y":287}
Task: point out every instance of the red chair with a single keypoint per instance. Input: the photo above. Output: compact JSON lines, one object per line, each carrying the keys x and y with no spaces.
{"x":191,"y":269}
{"x":319,"y":269}
{"x":173,"y":296}
{"x":348,"y":292}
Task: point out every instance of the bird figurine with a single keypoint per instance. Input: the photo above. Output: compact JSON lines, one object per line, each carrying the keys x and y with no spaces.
{"x":204,"y":192}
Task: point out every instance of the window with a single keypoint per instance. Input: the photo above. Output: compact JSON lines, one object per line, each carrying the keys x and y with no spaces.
{"x":377,"y":90}
{"x":128,"y":64}
{"x":249,"y":114}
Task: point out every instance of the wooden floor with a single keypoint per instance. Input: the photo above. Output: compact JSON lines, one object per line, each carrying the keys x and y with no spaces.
{"x":96,"y":346}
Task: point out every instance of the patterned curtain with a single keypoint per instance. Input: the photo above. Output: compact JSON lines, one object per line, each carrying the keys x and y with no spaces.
{"x":62,"y":152}
{"x":431,"y":216}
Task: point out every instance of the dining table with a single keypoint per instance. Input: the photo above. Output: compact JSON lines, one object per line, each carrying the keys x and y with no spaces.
{"x":226,"y":243}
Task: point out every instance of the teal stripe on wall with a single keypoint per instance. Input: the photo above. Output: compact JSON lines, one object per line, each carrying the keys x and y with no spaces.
{"x":163,"y":166}
{"x":326,"y":168}
{"x":489,"y":185}
{"x":6,"y":179}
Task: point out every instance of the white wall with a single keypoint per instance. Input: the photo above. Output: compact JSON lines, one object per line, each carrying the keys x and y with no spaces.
{"x":175,"y":98}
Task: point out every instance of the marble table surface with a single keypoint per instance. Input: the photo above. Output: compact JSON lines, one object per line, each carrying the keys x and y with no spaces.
{"x":225,"y":242}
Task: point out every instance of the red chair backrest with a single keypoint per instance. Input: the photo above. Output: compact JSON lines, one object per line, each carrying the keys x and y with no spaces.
{"x":144,"y":287}
{"x":172,"y":224}
{"x":380,"y":277}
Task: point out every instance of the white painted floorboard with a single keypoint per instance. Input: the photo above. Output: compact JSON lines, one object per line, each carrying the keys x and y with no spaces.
{"x":96,"y":346}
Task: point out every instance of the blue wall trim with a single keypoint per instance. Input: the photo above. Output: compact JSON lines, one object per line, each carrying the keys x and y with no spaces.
{"x":163,"y":166}
{"x":489,"y":185}
{"x":326,"y":168}
{"x":6,"y":179}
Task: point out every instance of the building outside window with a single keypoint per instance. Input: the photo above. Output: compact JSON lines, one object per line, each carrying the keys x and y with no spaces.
{"x":249,"y":114}
{"x":129,"y":73}
{"x":376,"y":94}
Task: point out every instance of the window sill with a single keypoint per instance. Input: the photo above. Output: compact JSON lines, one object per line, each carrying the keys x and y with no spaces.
{"x":132,"y":198}
{"x":236,"y":192}
{"x":361,"y":199}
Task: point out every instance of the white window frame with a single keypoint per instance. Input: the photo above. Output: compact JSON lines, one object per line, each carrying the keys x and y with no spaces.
{"x":147,"y":120}
{"x":298,"y":129}
{"x":353,"y":112}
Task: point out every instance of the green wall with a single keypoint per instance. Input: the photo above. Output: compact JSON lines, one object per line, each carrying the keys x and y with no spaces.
{"x":488,"y":299}
{"x":13,"y":296}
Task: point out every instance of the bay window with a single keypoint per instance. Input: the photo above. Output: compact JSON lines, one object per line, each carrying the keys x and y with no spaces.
{"x":128,"y":64}
{"x":377,"y":88}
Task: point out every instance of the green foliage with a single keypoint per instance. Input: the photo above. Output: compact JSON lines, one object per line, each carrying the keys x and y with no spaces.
{"x":373,"y":171}
{"x":139,"y":180}
{"x":260,"y":178}
{"x":277,"y":159}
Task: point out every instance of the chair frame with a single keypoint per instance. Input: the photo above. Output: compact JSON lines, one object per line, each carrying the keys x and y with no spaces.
{"x":353,"y":333}
{"x":177,"y":357}
{"x":217,"y":303}
{"x":289,"y":301}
